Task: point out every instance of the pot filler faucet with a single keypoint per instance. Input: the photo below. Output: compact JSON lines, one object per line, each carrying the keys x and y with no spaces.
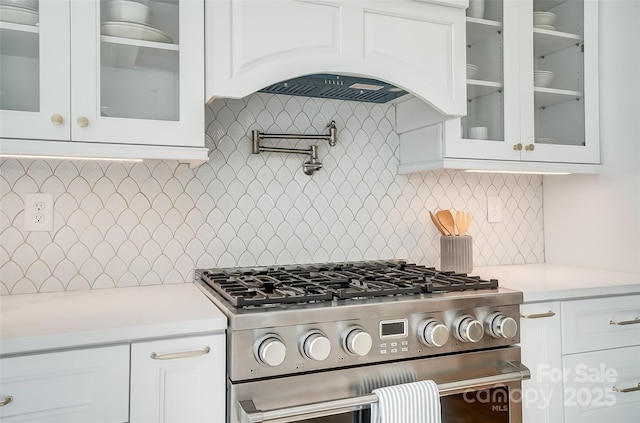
{"x":309,"y":166}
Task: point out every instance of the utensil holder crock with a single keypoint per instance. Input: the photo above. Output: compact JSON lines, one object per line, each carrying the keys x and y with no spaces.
{"x":456,"y":253}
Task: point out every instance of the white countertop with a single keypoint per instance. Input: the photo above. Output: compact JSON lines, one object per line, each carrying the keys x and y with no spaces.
{"x":38,"y":322}
{"x":549,"y":282}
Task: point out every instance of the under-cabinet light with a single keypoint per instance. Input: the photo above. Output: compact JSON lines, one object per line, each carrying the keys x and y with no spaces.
{"x":519,"y":172}
{"x":31,"y":156}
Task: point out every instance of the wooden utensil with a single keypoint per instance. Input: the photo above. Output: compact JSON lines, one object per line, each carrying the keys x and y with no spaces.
{"x":463,"y":221}
{"x":446,"y":219}
{"x":436,"y":222}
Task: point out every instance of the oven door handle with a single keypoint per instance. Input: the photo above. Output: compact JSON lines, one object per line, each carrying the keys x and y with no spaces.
{"x":248,"y":413}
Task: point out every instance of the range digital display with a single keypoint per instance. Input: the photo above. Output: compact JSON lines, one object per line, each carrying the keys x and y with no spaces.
{"x":393,"y":328}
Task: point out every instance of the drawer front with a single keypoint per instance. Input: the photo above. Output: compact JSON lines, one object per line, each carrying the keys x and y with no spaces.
{"x":593,"y":382}
{"x":601,"y":323}
{"x":90,"y":385}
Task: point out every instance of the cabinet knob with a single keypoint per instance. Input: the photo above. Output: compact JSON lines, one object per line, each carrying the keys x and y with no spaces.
{"x":82,"y":122}
{"x":517,"y":146}
{"x":57,"y":120}
{"x":530,"y":147}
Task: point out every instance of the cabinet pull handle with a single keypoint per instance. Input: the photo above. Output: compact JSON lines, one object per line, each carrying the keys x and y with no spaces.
{"x":538,"y":315}
{"x":7,"y":400}
{"x":57,"y":120}
{"x":82,"y":122}
{"x":625,"y":390}
{"x":185,"y":354}
{"x":625,"y":322}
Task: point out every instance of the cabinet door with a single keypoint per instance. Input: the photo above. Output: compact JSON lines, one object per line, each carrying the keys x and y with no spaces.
{"x":179,"y":380}
{"x":561,"y":116}
{"x":34,"y":71}
{"x":493,"y":90}
{"x":90,"y":385}
{"x":542,"y":354}
{"x":603,"y":386}
{"x":138,"y":81}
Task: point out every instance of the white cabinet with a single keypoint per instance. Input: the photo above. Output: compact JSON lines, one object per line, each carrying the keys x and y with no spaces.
{"x":530,"y":127}
{"x":417,"y":45}
{"x":77,"y":81}
{"x":540,"y":336}
{"x":603,"y":386}
{"x":584,"y":357}
{"x":601,"y":357}
{"x":89,"y":385}
{"x":178,"y":380}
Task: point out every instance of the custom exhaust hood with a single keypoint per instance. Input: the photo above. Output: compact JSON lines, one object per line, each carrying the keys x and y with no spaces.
{"x":358,"y":50}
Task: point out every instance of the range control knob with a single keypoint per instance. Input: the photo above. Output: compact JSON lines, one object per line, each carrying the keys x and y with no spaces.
{"x":501,"y":326}
{"x":468,"y":329}
{"x":270,"y":350}
{"x":357,"y":342}
{"x":432,"y":333}
{"x":316,"y":346}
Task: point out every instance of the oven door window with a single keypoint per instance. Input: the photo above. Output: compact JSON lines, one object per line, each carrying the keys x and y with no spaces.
{"x":473,"y":406}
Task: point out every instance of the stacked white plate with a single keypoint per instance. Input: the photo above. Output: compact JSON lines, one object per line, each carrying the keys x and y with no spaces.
{"x":544,"y":20}
{"x":130,"y":19}
{"x":23,"y":12}
{"x":542,"y":78}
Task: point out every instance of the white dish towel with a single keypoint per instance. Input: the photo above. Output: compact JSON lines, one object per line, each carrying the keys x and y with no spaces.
{"x":415,"y":402}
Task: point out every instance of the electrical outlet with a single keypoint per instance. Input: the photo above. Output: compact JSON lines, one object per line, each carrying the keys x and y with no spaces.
{"x":38,"y":212}
{"x":494,"y":209}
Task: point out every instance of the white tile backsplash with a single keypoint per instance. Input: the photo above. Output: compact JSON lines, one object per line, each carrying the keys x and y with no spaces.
{"x":124,"y":224}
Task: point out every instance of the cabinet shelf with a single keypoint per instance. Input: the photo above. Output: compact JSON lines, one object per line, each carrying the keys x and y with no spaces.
{"x":19,"y":27}
{"x":546,"y":42}
{"x":481,"y":29}
{"x":477,"y":88}
{"x":139,"y":43}
{"x":545,"y":97}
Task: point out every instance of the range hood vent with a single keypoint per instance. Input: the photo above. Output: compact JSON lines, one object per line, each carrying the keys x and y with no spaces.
{"x":337,"y":87}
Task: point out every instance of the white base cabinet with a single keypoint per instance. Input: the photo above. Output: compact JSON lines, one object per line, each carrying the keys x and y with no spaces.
{"x":89,"y":385}
{"x":584,"y":357}
{"x":178,"y":380}
{"x":542,"y":353}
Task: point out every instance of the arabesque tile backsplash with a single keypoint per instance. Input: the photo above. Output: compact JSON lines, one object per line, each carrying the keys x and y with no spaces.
{"x":126,"y":224}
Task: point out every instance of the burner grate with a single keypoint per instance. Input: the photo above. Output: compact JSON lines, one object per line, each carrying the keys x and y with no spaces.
{"x":340,"y":281}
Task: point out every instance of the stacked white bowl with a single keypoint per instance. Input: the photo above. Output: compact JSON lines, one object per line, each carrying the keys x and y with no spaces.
{"x":472,"y":71}
{"x":542,"y":78}
{"x":128,"y":11}
{"x":544,"y":20}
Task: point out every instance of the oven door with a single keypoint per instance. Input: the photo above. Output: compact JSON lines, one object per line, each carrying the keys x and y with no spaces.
{"x":481,"y":386}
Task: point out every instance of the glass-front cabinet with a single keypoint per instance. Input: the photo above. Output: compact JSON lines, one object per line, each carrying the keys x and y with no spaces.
{"x":532,"y":91}
{"x":102,"y":74}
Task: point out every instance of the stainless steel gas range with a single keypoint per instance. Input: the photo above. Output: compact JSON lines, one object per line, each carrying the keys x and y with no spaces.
{"x":312,"y":341}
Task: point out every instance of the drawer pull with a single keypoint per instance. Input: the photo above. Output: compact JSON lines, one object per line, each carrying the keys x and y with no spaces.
{"x":538,"y":315}
{"x":626,"y":322}
{"x":624,"y":390}
{"x":6,"y":401}
{"x":186,"y":354}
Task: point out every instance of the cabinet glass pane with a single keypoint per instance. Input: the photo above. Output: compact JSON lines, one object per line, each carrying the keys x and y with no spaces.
{"x":19,"y":56}
{"x":485,"y":72}
{"x":140,"y":50}
{"x":559,"y":72}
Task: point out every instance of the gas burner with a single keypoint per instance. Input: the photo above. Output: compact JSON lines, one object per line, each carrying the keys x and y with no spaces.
{"x":243,"y":287}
